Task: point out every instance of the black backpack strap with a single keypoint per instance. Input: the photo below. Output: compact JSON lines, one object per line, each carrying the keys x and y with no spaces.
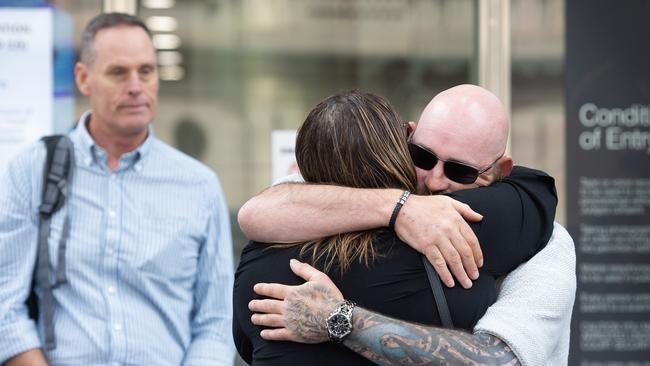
{"x":438,"y":294}
{"x":57,"y":173}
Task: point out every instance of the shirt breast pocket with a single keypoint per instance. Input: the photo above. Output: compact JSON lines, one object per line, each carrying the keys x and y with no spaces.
{"x":168,"y":248}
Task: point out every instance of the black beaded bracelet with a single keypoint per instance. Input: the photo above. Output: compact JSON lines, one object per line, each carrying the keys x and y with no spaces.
{"x":398,"y":206}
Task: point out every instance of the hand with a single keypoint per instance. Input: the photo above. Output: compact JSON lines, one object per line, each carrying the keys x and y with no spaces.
{"x":435,"y":226}
{"x":299,"y":312}
{"x":33,"y":357}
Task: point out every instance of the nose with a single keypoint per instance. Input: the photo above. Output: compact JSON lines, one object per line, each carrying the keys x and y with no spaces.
{"x":135,"y":84}
{"x":436,"y":180}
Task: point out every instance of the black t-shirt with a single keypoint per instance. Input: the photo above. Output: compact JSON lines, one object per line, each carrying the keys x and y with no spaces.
{"x":518,"y":221}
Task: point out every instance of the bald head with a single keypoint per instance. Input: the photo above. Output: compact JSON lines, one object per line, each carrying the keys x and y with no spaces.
{"x":468,"y":119}
{"x":465,"y":124}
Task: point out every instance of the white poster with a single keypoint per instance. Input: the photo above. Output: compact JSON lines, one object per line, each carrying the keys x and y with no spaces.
{"x":25,"y":78}
{"x":283,"y":155}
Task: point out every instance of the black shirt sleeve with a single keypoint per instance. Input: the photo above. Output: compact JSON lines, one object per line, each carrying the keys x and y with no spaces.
{"x":518,"y":214}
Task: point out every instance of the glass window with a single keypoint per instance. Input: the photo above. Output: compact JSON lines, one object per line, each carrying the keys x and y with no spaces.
{"x":241,"y":69}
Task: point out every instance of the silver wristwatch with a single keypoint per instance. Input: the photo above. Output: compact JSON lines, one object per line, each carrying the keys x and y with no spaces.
{"x":339,"y":323}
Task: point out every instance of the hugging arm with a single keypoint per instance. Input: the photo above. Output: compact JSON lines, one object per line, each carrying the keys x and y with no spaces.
{"x":387,"y":341}
{"x":519,"y":213}
{"x":295,"y":212}
{"x":433,"y":225}
{"x":301,"y":313}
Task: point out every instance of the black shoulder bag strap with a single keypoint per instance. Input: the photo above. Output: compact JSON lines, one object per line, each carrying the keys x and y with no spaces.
{"x":57,"y":174}
{"x":438,"y":294}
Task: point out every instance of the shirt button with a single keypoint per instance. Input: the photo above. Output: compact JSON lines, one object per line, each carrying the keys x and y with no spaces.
{"x":117,"y":327}
{"x":113,"y":176}
{"x":109,"y":252}
{"x":111,"y":289}
{"x":111,"y":213}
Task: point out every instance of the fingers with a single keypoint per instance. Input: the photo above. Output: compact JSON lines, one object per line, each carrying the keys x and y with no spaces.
{"x":471,"y":239}
{"x":466,"y":256}
{"x":272,"y":313}
{"x":466,"y":212}
{"x":311,"y":274}
{"x":268,"y":306}
{"x":274,"y":290}
{"x":446,"y":260}
{"x":440,"y":265}
{"x":305,"y":271}
{"x":268,"y":320}
{"x":278,"y":334}
{"x":468,"y":239}
{"x":455,"y":263}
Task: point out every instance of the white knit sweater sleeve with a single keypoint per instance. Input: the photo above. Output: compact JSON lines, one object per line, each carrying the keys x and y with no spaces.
{"x":532,"y":313}
{"x":291,"y":178}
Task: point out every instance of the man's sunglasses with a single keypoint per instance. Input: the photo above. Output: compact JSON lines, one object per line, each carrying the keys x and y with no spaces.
{"x":461,"y":173}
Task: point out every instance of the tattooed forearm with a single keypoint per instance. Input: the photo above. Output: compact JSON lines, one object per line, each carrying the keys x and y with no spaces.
{"x":387,"y":341}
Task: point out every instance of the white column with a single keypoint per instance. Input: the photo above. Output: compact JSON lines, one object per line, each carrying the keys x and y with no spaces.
{"x":120,"y":6}
{"x":494,"y":50}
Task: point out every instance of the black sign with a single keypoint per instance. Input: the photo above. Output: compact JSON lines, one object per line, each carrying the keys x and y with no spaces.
{"x":608,"y":178}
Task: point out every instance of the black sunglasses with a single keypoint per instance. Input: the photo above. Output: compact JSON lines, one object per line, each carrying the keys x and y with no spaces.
{"x":461,"y":173}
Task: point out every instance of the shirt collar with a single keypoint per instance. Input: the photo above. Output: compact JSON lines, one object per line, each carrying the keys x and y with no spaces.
{"x":89,"y":149}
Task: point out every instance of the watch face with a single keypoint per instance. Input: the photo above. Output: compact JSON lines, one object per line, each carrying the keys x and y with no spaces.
{"x":339,"y":325}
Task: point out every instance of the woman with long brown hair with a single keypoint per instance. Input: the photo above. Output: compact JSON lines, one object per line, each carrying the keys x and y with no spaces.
{"x":353,"y":139}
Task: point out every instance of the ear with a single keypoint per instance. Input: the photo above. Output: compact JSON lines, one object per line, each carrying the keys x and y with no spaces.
{"x":410,"y":128}
{"x":505,"y":165}
{"x":81,"y":78}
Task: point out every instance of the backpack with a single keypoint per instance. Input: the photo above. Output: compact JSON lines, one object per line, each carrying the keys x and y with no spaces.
{"x":57,"y":174}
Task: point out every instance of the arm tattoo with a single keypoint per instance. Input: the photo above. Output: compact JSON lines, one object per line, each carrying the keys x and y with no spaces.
{"x":387,"y":341}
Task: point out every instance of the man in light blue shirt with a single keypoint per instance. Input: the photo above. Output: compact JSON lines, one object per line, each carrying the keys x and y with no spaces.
{"x":149,"y":254}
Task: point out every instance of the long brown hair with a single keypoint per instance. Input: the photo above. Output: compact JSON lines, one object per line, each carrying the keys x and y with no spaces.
{"x":353,"y":139}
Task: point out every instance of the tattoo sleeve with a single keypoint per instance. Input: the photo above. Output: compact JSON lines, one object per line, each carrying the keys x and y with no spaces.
{"x":387,"y":341}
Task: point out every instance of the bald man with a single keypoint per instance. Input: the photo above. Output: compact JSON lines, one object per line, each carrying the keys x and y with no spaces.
{"x":464,"y":129}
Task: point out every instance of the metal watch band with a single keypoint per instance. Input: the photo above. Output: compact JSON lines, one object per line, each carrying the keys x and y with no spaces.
{"x":345,"y":310}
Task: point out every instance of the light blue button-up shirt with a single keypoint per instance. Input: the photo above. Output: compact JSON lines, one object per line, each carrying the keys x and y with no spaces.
{"x":148,"y":261}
